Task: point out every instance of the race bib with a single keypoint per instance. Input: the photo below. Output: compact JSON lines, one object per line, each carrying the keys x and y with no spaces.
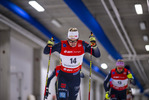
{"x":71,"y":61}
{"x":120,"y":83}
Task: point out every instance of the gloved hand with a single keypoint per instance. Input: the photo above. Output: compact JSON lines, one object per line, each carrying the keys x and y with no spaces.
{"x":51,"y":42}
{"x":92,"y":40}
{"x":129,"y":76}
{"x":132,"y":81}
{"x":82,"y":75}
{"x":107,"y":95}
{"x":46,"y":93}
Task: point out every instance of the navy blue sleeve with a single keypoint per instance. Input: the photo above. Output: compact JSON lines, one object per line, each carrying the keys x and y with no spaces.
{"x":51,"y":77}
{"x":87,"y":48}
{"x":56,"y":47}
{"x":106,"y":81}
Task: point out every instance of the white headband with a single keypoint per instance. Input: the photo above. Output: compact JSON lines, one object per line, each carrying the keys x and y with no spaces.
{"x":73,"y":35}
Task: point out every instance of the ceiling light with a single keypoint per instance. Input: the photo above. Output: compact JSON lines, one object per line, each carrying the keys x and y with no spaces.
{"x":104,"y":66}
{"x":147,"y":47}
{"x":56,"y":23}
{"x":145,"y":38}
{"x":142,"y":26}
{"x":36,"y":6}
{"x":138,"y":8}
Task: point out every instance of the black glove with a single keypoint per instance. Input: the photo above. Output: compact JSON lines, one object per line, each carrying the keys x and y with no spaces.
{"x":132,"y":81}
{"x":47,"y":93}
{"x":82,"y":75}
{"x":51,"y":42}
{"x":92,"y":40}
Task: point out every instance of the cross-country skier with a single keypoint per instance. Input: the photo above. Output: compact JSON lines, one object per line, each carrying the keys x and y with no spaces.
{"x":71,"y":53}
{"x":119,"y":77}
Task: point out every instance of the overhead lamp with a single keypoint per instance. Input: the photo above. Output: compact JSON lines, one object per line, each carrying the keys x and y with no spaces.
{"x":145,"y":38}
{"x":104,"y":66}
{"x":147,"y":47}
{"x":56,"y":23}
{"x":36,"y":6}
{"x":142,"y":26}
{"x":138,"y":8}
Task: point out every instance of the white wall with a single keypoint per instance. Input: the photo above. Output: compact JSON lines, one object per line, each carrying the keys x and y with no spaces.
{"x":21,"y":61}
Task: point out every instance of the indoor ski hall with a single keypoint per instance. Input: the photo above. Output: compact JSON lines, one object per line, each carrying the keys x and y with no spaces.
{"x":74,"y":49}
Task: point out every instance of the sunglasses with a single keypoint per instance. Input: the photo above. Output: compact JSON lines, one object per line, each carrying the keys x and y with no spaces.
{"x":120,"y":67}
{"x":72,"y":41}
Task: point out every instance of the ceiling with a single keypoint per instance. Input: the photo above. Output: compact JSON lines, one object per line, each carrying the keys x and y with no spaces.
{"x":127,"y":26}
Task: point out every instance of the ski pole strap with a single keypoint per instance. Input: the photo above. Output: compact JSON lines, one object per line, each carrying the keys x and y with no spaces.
{"x":50,"y":50}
